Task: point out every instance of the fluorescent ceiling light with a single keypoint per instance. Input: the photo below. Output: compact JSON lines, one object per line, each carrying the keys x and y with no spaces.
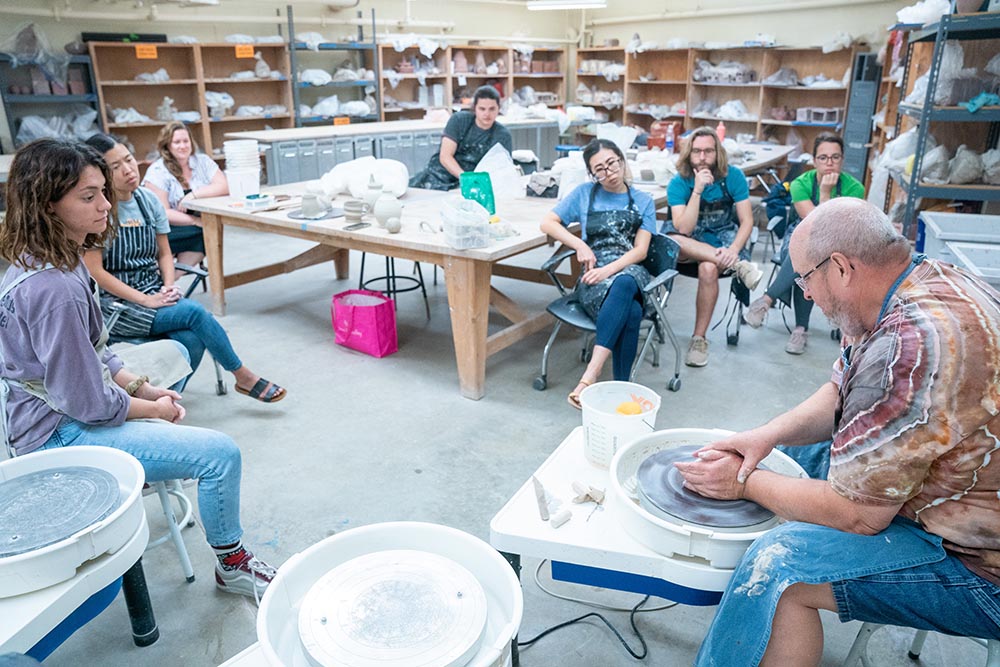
{"x":567,"y":4}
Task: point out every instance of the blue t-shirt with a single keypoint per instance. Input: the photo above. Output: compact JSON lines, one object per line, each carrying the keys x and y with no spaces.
{"x":573,"y":208}
{"x":130,"y":215}
{"x":680,"y":189}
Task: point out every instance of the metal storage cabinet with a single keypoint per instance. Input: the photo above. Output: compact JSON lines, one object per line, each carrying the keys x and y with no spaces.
{"x":364,"y":146}
{"x":287,"y":162}
{"x":548,"y":139}
{"x":344,"y":149}
{"x":308,"y":164}
{"x":860,"y":107}
{"x":421,"y":150}
{"x":406,"y":153}
{"x":326,"y":155}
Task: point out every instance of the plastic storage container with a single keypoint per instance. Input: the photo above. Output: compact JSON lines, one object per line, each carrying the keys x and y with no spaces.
{"x":980,"y":259}
{"x":939,"y":228}
{"x":465,"y":224}
{"x":605,"y":430}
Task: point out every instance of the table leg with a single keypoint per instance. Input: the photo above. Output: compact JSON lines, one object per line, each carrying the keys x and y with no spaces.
{"x":468,"y":283}
{"x":515,"y":562}
{"x":212,"y":230}
{"x":342,"y":263}
{"x":140,"y":610}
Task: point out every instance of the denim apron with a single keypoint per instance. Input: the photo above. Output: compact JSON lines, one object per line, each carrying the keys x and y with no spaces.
{"x":610,"y":234}
{"x":132,"y":259}
{"x":468,"y":153}
{"x":717,"y":223}
{"x":797,"y":552}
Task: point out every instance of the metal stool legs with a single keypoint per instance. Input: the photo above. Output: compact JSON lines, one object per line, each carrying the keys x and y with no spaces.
{"x":859,"y":650}
{"x":392,"y":280}
{"x":164,"y":490}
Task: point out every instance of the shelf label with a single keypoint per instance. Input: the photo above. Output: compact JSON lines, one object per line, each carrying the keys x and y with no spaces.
{"x":342,"y":120}
{"x":244,"y":50}
{"x":146,"y":52}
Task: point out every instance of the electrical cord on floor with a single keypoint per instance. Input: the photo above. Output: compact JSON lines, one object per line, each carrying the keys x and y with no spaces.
{"x":632,"y":612}
{"x":631,"y":618}
{"x":590,"y":603}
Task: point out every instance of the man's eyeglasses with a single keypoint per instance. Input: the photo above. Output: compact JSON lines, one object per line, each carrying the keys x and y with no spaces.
{"x":610,"y":167}
{"x":703,"y":151}
{"x":836,"y":157}
{"x":801,"y":280}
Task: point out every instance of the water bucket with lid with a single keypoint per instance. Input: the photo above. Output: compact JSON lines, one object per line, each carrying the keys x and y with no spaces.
{"x":605,"y":428}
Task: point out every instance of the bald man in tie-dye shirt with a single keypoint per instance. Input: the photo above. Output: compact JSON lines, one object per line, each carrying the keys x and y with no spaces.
{"x":905,"y":527}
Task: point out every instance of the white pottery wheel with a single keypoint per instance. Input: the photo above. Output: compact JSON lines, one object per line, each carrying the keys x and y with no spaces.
{"x":396,"y":608}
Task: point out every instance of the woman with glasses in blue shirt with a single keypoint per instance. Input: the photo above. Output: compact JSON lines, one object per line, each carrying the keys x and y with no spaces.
{"x":808,"y":191}
{"x":617,"y":223}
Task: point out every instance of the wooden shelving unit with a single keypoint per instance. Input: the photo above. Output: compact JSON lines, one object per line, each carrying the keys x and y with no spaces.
{"x":547,"y":73}
{"x":193,"y":69}
{"x":719,"y":93}
{"x":588,"y":74}
{"x":407,"y":92}
{"x":658,"y":77}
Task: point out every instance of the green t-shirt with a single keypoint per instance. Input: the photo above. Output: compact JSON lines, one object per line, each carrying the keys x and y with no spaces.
{"x":801,"y":188}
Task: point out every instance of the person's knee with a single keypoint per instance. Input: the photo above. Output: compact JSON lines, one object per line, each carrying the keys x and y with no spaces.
{"x":708,"y":272}
{"x":225,"y":452}
{"x":810,"y":596}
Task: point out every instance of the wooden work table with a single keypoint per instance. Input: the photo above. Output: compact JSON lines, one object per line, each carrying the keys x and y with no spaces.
{"x":360,"y":129}
{"x":467,"y":272}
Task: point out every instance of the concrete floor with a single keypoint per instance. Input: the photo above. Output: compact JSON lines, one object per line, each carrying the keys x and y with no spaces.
{"x":362,"y":440}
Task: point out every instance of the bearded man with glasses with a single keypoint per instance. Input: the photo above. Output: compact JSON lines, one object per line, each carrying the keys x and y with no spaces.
{"x":808,"y":191}
{"x":711,"y":220}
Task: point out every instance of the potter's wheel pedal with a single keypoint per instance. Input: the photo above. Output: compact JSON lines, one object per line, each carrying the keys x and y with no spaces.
{"x":45,"y":507}
{"x":395,"y":608}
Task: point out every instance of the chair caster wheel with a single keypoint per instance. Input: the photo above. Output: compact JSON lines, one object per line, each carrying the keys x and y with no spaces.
{"x":190,"y":579}
{"x":674,"y":384}
{"x":733,"y":339}
{"x":220,"y":389}
{"x":540,"y":383}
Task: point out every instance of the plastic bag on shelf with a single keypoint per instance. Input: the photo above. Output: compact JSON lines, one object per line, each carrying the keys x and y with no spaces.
{"x":935,"y":165}
{"x":965,"y":167}
{"x":786,"y":76}
{"x":218,"y":103}
{"x":925,"y":11}
{"x":129,"y":115}
{"x":34,"y":127}
{"x":238,"y":38}
{"x":991,"y":166}
{"x":249,"y":110}
{"x":328,"y":106}
{"x":182,"y":39}
{"x":312,"y":40}
{"x":315,"y":77}
{"x":159,"y":76}
{"x":952,"y":59}
{"x":355,"y":108}
{"x":84,"y":123}
{"x":27,"y":45}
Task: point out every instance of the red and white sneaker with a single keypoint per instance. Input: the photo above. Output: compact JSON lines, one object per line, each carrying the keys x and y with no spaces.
{"x":244,"y":574}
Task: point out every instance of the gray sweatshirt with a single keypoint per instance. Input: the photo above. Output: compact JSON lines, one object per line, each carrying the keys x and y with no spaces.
{"x":49,"y":325}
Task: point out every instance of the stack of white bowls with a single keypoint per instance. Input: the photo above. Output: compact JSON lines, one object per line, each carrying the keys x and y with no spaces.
{"x":242,"y":166}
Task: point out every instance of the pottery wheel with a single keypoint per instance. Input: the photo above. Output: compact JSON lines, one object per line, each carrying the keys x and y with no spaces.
{"x":396,"y":608}
{"x":296,"y":214}
{"x":662,"y":493}
{"x":45,"y":507}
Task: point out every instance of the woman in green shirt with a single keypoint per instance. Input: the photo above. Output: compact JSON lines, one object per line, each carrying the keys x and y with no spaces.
{"x":808,"y":191}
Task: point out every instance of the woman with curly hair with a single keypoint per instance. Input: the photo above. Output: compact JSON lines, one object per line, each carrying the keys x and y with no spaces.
{"x":183,"y":173}
{"x":61,"y":386}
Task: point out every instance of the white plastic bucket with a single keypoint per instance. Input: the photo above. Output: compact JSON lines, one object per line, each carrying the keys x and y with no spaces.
{"x":605,"y":431}
{"x":243,"y":182}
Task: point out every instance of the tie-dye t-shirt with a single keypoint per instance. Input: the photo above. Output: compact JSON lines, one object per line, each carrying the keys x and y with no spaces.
{"x":918,"y":418}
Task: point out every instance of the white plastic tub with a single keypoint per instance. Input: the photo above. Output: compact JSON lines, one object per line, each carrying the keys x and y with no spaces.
{"x":277,"y":620}
{"x":58,"y":562}
{"x":243,"y":181}
{"x":939,"y":228}
{"x":980,"y":259}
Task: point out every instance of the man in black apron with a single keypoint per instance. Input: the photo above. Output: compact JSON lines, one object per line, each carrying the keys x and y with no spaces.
{"x":466,"y":139}
{"x":711,"y":220}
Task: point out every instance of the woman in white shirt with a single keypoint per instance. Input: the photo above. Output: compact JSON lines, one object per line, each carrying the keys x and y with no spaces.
{"x":183,"y":173}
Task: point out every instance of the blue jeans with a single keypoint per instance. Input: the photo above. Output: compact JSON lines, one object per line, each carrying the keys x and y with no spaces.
{"x":900,"y":576}
{"x":784,"y":289}
{"x":169,"y":451}
{"x":192,"y":326}
{"x":618,"y":325}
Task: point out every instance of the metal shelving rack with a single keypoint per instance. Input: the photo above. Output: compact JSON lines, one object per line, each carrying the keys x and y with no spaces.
{"x":359,"y":46}
{"x":958,"y":27}
{"x":15,"y":106}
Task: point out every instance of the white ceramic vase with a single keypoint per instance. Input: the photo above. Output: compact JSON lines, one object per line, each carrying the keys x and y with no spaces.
{"x":386,"y":207}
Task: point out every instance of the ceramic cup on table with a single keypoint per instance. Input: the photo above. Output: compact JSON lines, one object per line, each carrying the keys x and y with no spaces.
{"x":355,"y":209}
{"x":314,"y":206}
